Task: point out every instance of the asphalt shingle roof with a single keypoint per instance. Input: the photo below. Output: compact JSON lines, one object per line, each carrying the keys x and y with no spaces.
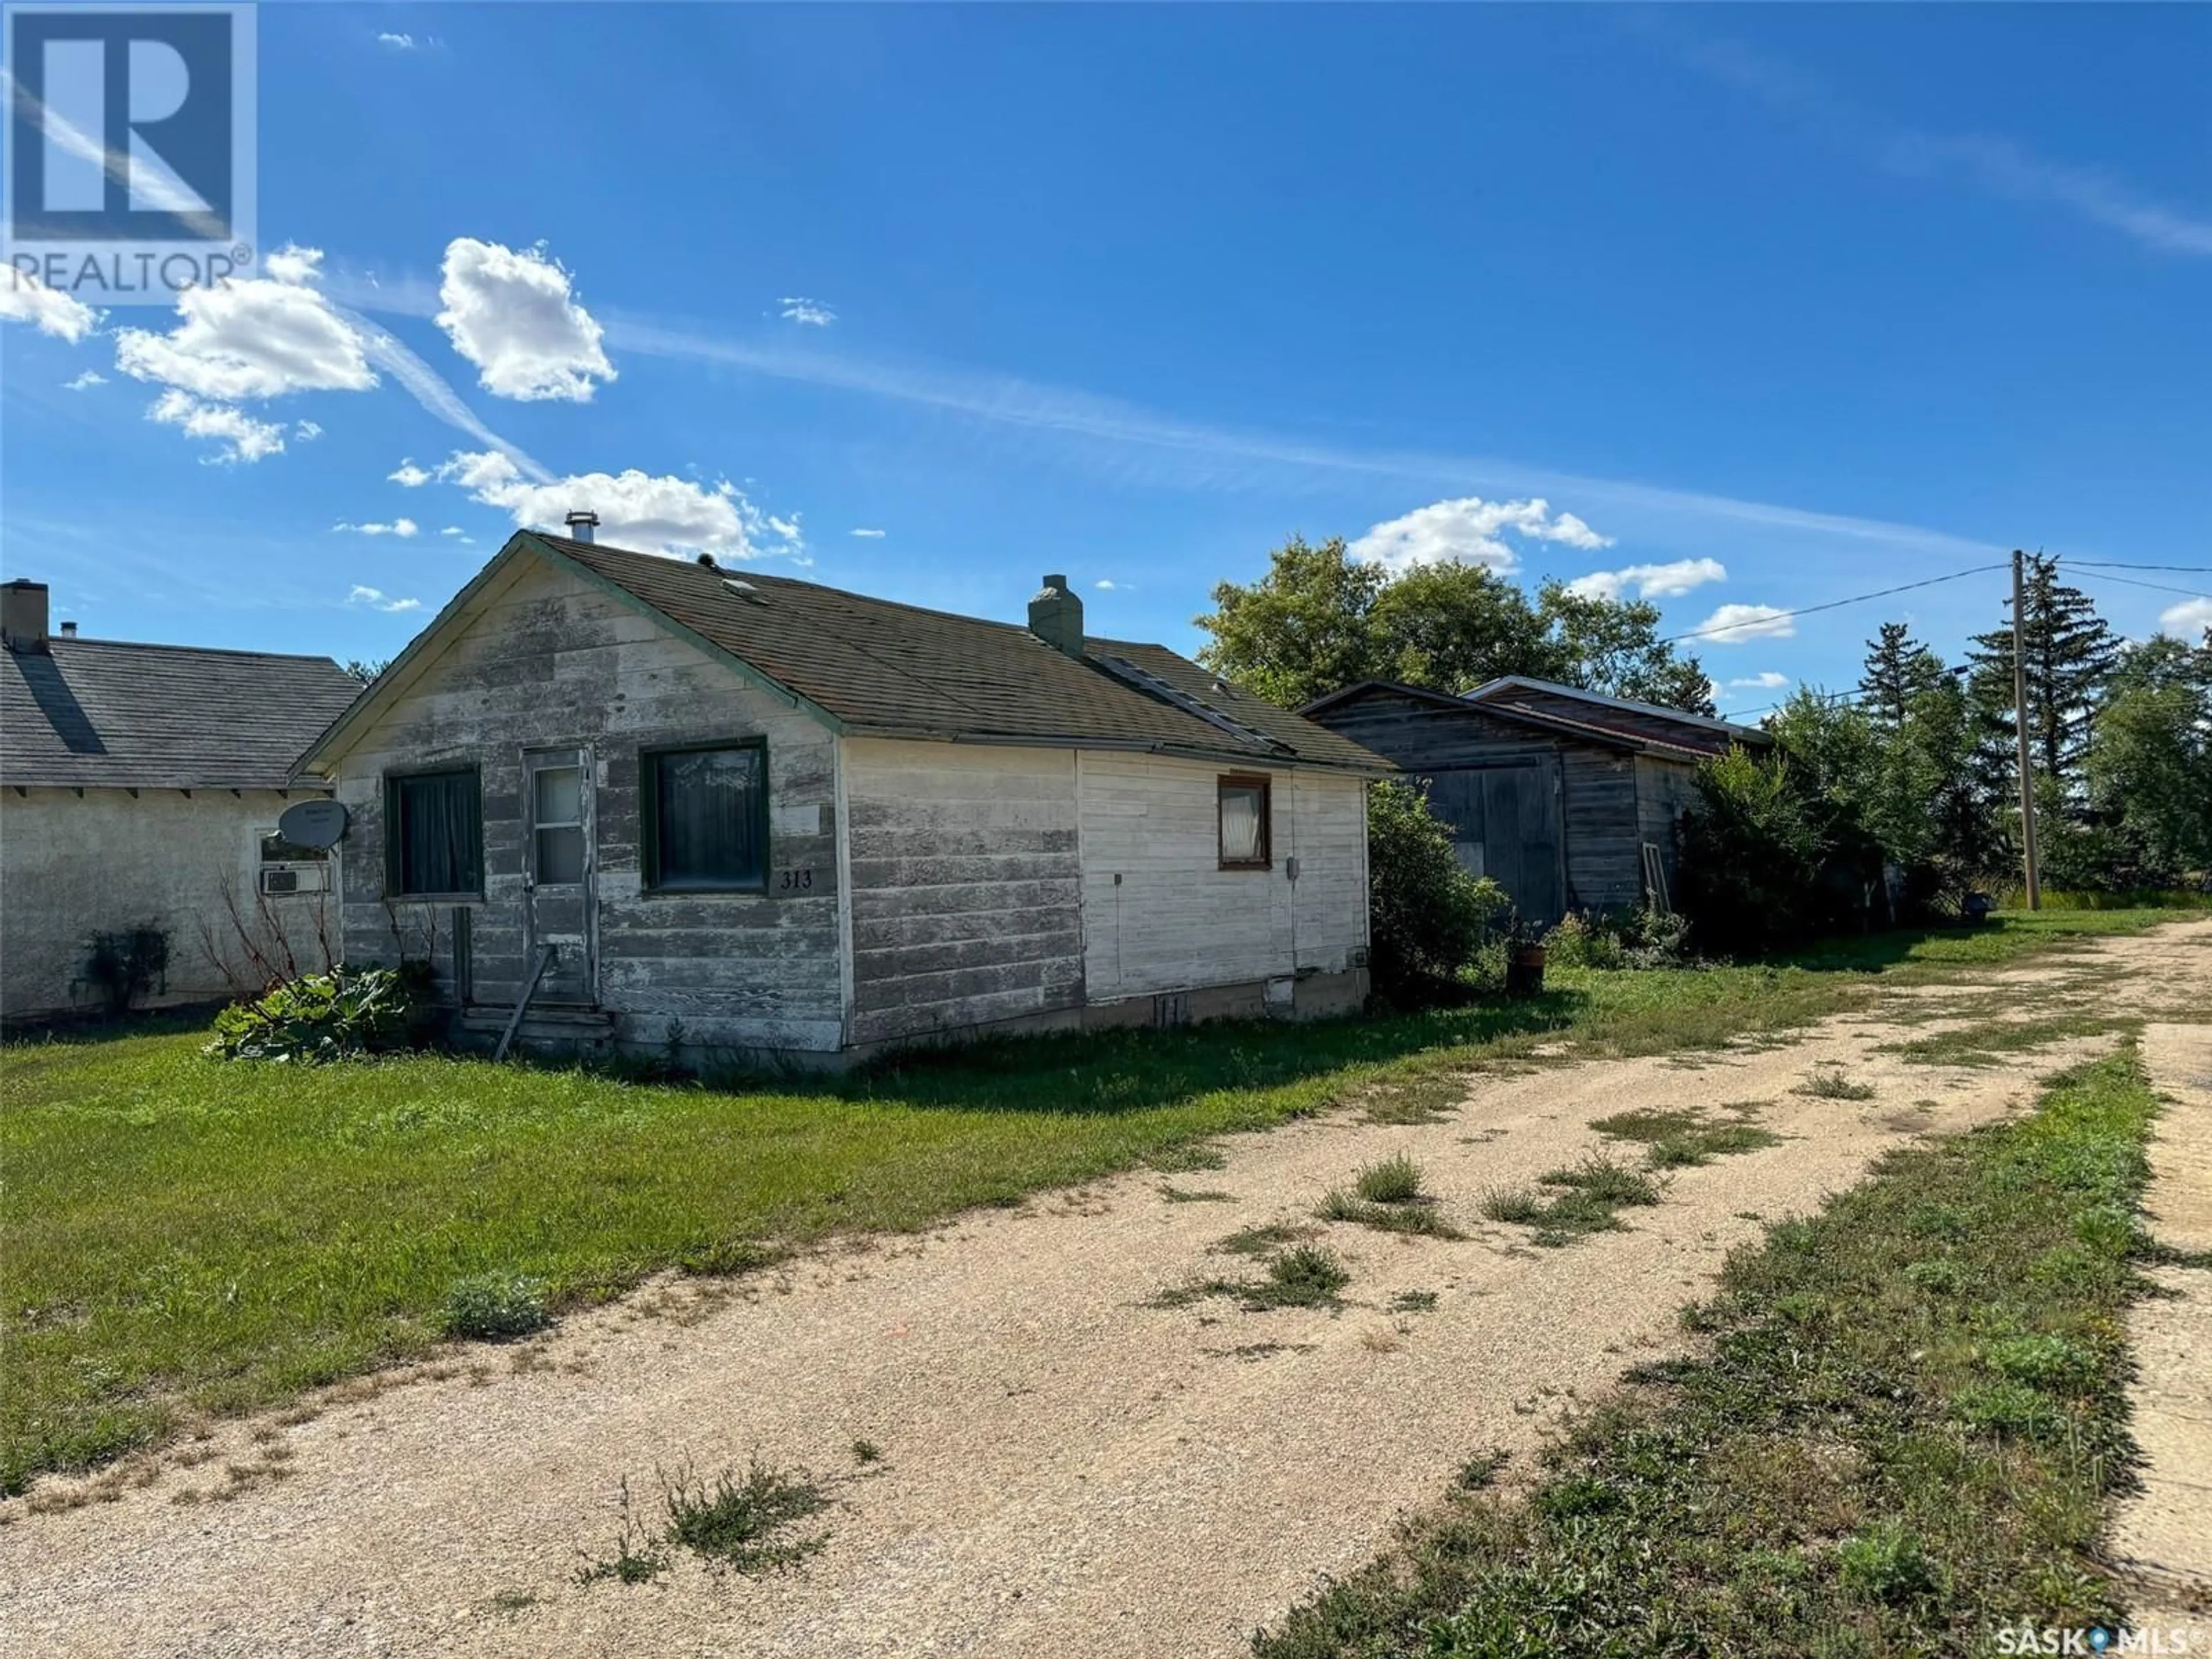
{"x":898,"y":669}
{"x":117,"y":716}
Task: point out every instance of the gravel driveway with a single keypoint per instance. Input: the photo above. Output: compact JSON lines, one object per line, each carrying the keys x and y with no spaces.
{"x":1066,"y":1469}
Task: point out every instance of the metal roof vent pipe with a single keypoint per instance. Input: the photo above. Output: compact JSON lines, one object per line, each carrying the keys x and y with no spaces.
{"x":23,"y":614}
{"x":1056,"y":616}
{"x":582,"y":523}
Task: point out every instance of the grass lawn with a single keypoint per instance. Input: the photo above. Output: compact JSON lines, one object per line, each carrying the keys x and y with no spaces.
{"x":1902,"y":1441}
{"x":179,"y":1234}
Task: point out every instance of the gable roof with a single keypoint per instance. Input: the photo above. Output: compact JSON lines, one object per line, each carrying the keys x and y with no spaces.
{"x":1567,"y":711}
{"x":1606,"y":712}
{"x":119,"y":715}
{"x":874,"y":668}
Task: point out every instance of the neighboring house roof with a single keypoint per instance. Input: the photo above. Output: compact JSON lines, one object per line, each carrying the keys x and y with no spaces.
{"x":107,"y":714}
{"x":874,"y":667}
{"x":1541,"y":719}
{"x":1612,"y":722}
{"x":1604,"y":710}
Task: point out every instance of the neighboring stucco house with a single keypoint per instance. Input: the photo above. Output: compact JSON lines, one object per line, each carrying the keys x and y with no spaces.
{"x":741,"y":812}
{"x":1572,"y":800}
{"x":140,"y":786}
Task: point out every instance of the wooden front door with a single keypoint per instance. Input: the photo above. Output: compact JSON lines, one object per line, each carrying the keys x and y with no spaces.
{"x":1505,"y":823}
{"x":559,"y":906}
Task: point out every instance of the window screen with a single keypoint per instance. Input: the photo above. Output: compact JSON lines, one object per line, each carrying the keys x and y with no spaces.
{"x":708,"y":830}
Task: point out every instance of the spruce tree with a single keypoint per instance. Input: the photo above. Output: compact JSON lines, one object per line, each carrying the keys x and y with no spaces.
{"x":2069,"y":654}
{"x":1899,"y":668}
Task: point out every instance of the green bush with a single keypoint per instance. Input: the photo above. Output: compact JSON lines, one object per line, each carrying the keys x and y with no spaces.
{"x":124,"y":966}
{"x":1883,"y":1562}
{"x":1428,"y":917}
{"x":320,"y":1017}
{"x":1642,"y":937}
{"x":1753,"y":855}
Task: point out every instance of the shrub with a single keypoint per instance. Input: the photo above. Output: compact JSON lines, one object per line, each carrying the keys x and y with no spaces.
{"x":495,"y":1307}
{"x":124,"y":966}
{"x":1429,"y":918}
{"x":1642,"y":937}
{"x":320,"y":1017}
{"x":1752,"y":855}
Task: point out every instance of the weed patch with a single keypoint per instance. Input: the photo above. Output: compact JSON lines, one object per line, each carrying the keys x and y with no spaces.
{"x":1865,"y":1461}
{"x":1302,"y":1276}
{"x":1395,"y":1180}
{"x":496,"y":1308}
{"x":1830,"y":1083}
{"x":1992,"y":1041}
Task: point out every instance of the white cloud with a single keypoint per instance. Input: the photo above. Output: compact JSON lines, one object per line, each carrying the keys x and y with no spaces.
{"x":460,"y":535}
{"x":810,"y":313}
{"x":650,"y":514}
{"x":306,"y":431}
{"x":870,"y":535}
{"x":2186,"y":621}
{"x":1470,"y":530}
{"x":408,"y":475}
{"x":396,"y":42}
{"x":259,"y":336}
{"x":1650,"y":581}
{"x":293,"y":263}
{"x":375,"y":598}
{"x":1106,"y":584}
{"x":25,"y":299}
{"x":86,"y":381}
{"x":1768,"y":681}
{"x":514,"y":316}
{"x":403,"y":528}
{"x":242,"y":437}
{"x":1734,"y":624}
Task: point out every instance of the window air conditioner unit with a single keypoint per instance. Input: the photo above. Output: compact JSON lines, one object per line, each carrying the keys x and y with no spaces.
{"x":287,"y":879}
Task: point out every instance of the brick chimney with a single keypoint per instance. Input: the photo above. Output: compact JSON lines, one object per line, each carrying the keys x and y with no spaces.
{"x":1056,"y":616}
{"x":23,"y":614}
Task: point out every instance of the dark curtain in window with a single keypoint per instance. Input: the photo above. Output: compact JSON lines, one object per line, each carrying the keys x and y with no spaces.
{"x":711,"y":819}
{"x":440,"y":833}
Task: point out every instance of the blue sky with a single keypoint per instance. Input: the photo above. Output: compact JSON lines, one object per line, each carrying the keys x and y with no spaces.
{"x":1749,"y":307}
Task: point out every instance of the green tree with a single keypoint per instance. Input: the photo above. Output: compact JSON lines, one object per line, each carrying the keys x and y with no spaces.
{"x":2150,"y":768}
{"x":1305,"y":629}
{"x":1898,"y":669}
{"x":2068,"y":652}
{"x":1426,"y":916}
{"x":1614,"y":645}
{"x":1321,"y":620}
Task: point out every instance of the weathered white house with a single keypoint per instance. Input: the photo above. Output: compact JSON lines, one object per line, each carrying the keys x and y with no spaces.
{"x":140,"y":786}
{"x":743,"y":812}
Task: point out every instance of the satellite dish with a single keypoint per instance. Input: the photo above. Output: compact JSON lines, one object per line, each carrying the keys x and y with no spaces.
{"x":317,"y":823}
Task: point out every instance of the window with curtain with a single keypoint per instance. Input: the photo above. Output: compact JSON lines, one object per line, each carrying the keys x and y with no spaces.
{"x":434,"y":833}
{"x":1243,"y":818}
{"x":707,"y":830}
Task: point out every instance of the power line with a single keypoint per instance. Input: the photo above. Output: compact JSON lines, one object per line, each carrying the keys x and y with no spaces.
{"x":2155,"y":587}
{"x":2112,"y":564}
{"x":1830,"y":604}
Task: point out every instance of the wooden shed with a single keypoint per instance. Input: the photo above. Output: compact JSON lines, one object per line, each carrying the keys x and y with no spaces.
{"x":1568,"y":799}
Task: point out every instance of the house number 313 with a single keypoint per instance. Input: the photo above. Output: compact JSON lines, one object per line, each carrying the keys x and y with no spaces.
{"x":796,"y":881}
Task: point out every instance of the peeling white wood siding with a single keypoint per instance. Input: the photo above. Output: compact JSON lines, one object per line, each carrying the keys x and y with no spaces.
{"x":966,"y":888}
{"x":1160,"y":913}
{"x":552,"y":660}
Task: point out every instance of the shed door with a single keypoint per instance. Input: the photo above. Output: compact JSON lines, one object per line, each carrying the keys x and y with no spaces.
{"x":1505,"y":825}
{"x":558,"y":885}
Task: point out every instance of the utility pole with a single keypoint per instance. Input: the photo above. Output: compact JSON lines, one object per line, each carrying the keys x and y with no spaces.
{"x":2019,"y":715}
